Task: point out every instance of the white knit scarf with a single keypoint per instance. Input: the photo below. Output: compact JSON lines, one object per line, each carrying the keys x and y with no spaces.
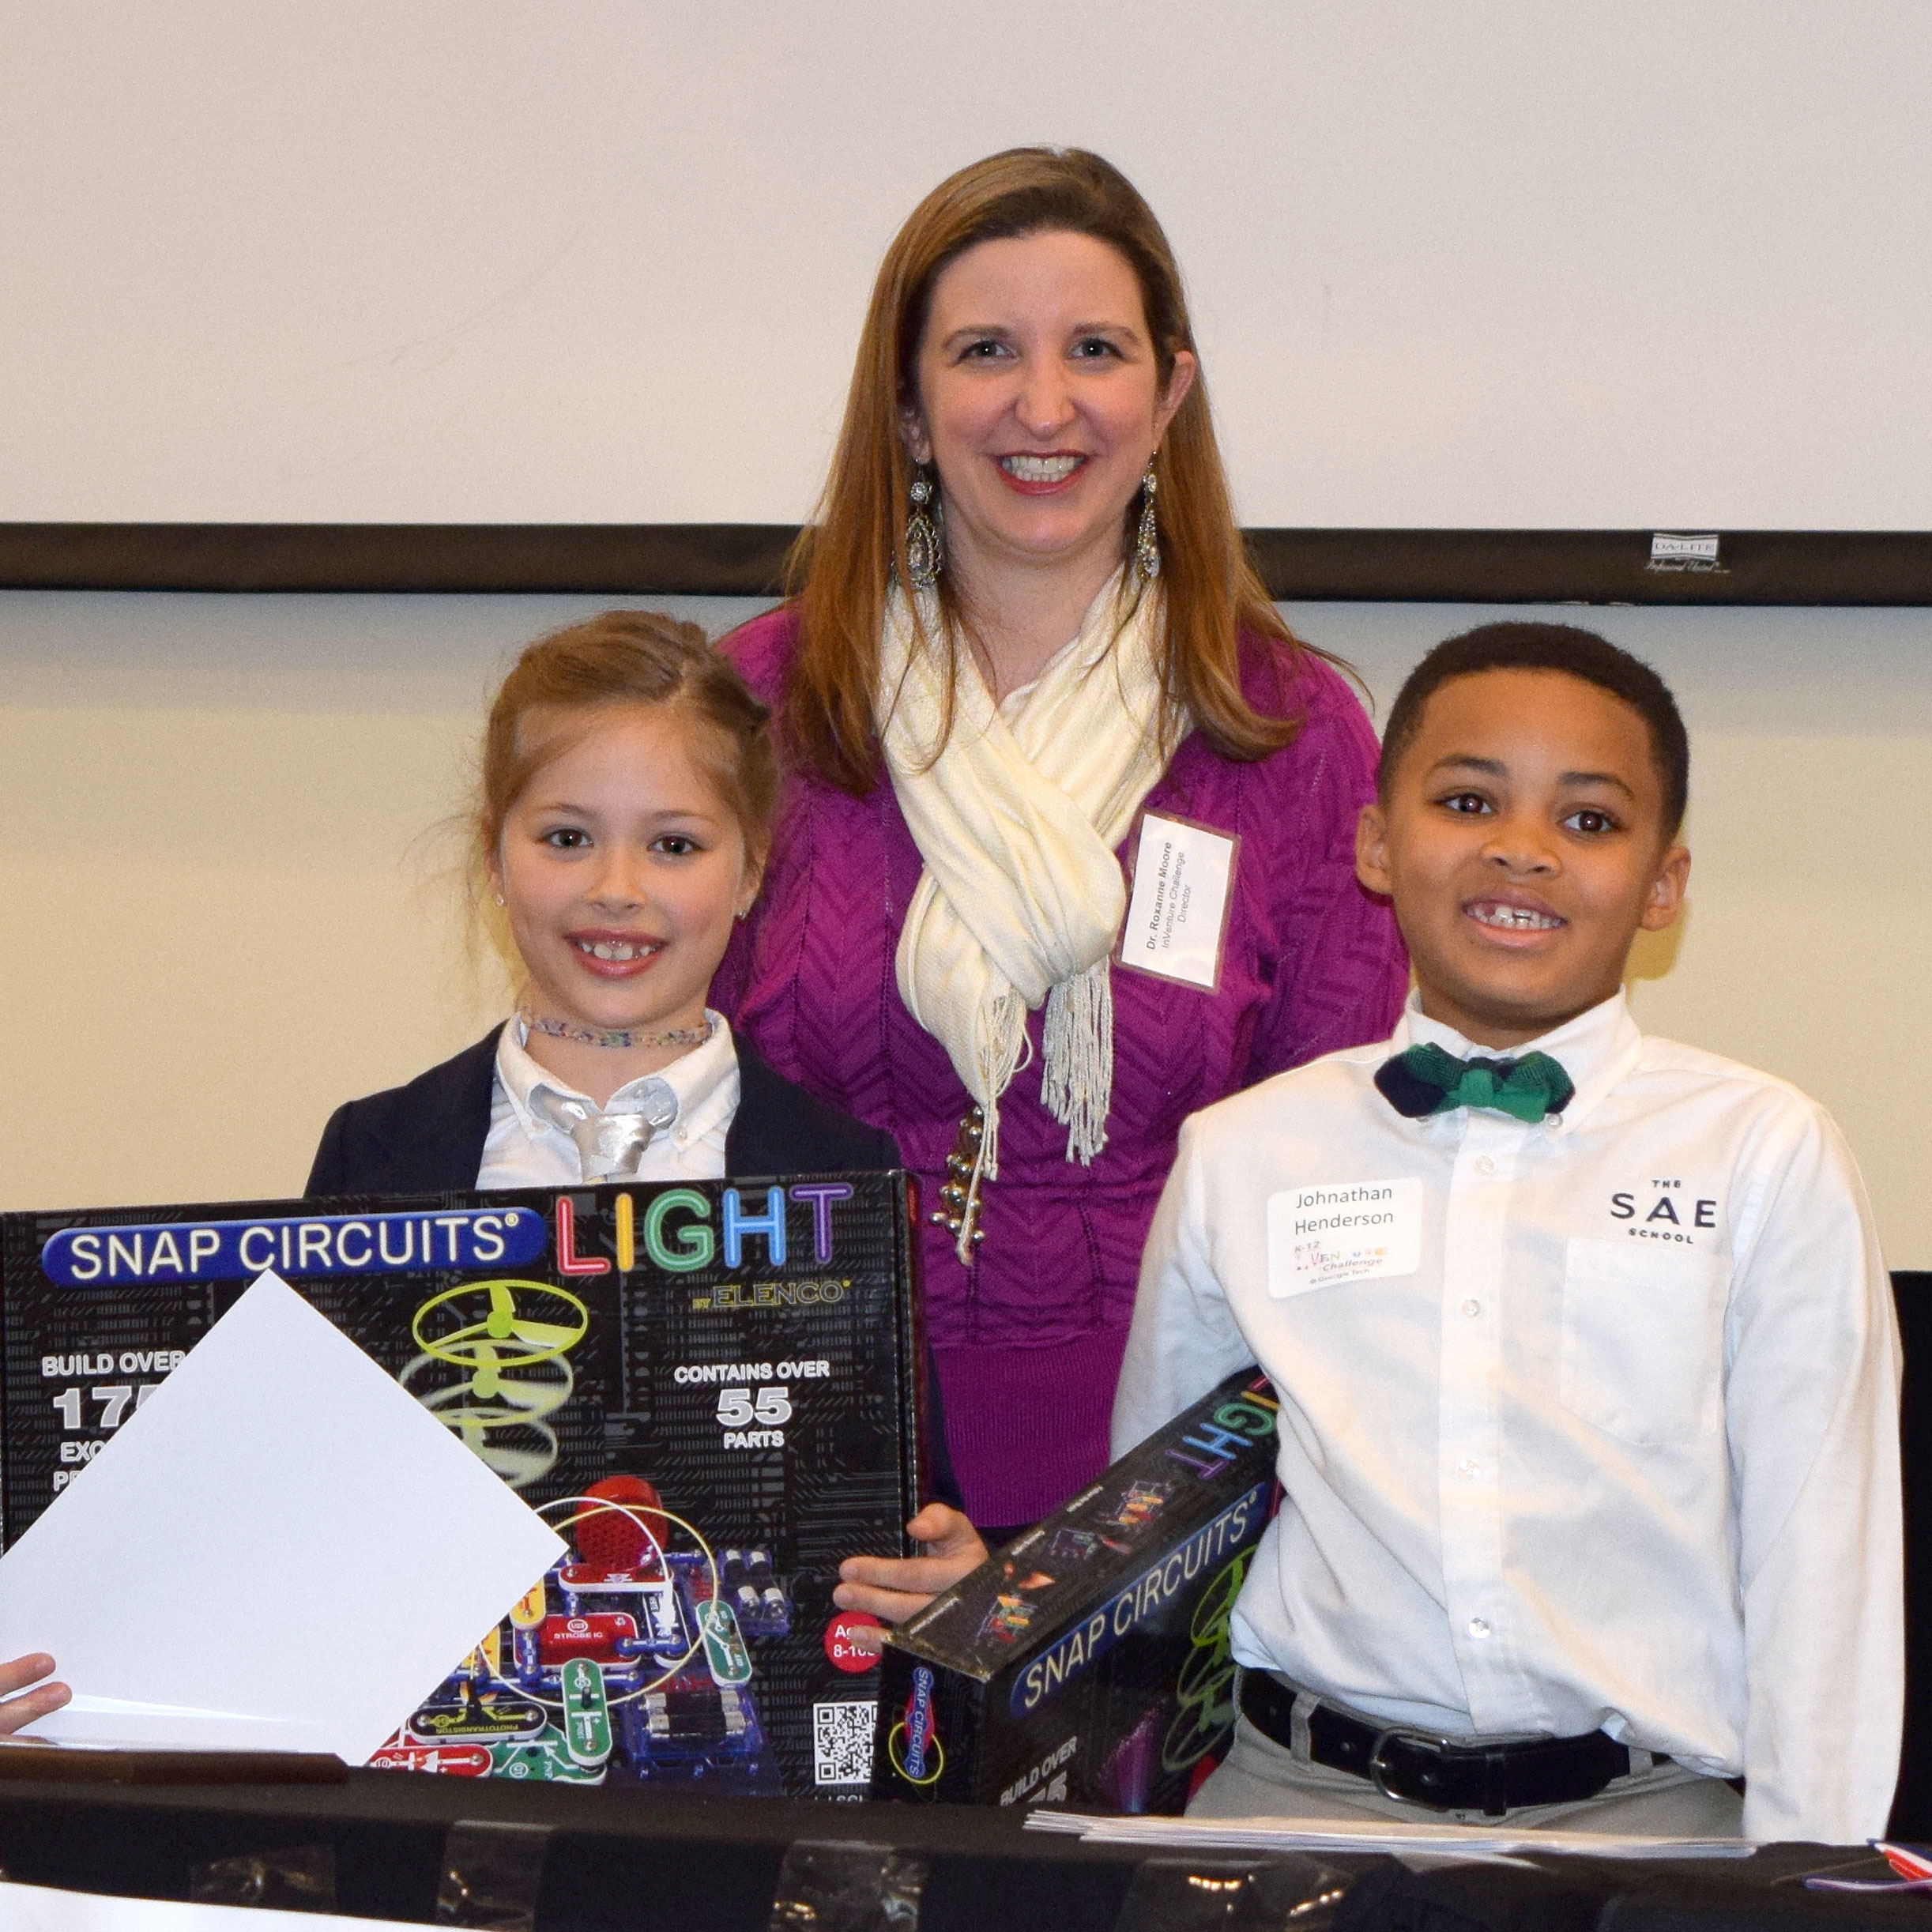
{"x":1021,"y":897}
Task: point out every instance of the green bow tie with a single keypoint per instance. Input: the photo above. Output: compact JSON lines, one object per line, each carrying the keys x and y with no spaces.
{"x":1426,"y":1080}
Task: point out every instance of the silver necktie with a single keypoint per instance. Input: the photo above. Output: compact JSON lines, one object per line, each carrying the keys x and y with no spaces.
{"x":609,"y":1145}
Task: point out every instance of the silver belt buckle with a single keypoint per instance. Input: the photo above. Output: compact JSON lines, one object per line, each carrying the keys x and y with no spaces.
{"x":1378,"y":1772}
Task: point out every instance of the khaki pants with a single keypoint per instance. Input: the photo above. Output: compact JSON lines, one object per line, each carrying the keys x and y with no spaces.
{"x":1261,"y":1778}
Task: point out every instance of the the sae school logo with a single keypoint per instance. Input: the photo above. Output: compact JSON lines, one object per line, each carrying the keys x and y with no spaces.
{"x":1665,"y":1212}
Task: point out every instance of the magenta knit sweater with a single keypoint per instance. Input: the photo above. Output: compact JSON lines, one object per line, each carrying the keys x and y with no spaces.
{"x":1028,"y":1340}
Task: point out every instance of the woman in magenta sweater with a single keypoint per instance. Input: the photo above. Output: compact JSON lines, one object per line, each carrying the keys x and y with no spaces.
{"x":1026,"y":648}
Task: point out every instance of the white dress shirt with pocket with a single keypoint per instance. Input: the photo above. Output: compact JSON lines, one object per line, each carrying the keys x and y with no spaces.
{"x":1590,"y":1423}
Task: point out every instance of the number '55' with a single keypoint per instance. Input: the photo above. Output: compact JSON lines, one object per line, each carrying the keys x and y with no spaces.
{"x":736,"y":1407}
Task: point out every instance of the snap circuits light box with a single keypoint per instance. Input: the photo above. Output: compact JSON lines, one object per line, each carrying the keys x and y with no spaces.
{"x":1088,"y":1662}
{"x":709,"y":1390}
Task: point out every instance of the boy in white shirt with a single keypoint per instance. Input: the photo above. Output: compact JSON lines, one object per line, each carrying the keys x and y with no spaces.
{"x":1586,"y":1356}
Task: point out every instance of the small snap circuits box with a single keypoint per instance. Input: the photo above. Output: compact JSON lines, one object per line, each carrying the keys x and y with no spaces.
{"x":1088,"y":1662}
{"x":709,"y":1390}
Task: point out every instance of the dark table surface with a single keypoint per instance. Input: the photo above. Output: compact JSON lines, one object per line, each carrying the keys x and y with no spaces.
{"x":647,"y":1862}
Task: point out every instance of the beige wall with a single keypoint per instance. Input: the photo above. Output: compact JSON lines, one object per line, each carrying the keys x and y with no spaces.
{"x":219,"y":915}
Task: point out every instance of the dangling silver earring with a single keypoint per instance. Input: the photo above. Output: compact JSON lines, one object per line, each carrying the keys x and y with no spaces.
{"x":924,"y":554}
{"x":499,"y":898}
{"x":1147,"y":538}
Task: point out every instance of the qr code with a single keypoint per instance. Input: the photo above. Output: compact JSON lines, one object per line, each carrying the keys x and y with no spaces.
{"x":841,"y":1742}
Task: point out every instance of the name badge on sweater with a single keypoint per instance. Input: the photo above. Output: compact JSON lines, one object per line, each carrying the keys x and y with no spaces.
{"x":1342,"y":1231}
{"x":1180,"y":907}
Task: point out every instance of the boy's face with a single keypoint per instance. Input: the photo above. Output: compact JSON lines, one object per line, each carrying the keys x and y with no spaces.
{"x":1522,"y":842}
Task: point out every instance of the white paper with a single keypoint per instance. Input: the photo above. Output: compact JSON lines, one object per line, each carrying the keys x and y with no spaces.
{"x":1345,"y":1835}
{"x":42,"y":1908}
{"x":1175,"y":918}
{"x":135,"y":1707}
{"x":1342,"y":1231}
{"x":282,"y":1549}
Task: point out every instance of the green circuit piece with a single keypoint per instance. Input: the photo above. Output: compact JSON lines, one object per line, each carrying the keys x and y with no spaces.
{"x":543,"y":1760}
{"x":587,"y":1713}
{"x":724,"y":1649}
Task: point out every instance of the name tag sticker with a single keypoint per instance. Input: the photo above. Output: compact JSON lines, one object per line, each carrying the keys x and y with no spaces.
{"x":1345,"y":1231}
{"x":1179,"y":909}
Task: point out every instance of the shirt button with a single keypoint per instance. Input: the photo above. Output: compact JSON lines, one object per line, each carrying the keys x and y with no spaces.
{"x":1478,"y":1627}
{"x":1469,"y":1466}
{"x":1472,"y":1308}
{"x":1484,"y":1165}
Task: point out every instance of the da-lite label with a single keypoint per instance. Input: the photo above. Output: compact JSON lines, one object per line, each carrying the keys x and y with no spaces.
{"x":1342,"y":1231}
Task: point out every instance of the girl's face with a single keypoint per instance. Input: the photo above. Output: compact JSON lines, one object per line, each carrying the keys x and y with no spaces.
{"x":621,"y":869}
{"x":1040,"y":400}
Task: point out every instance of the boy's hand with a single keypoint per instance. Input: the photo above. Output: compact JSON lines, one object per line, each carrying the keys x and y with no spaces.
{"x":894,"y":1587}
{"x":32,"y":1704}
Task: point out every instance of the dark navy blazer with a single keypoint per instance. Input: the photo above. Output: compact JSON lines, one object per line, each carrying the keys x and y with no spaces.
{"x":427,"y":1138}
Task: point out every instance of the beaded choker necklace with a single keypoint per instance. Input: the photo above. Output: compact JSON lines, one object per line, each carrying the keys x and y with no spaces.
{"x":593,"y":1035}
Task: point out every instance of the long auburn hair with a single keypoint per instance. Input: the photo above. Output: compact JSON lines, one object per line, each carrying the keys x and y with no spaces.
{"x":842,"y":567}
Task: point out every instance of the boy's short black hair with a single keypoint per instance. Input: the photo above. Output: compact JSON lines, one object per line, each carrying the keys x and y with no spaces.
{"x":1576,"y":652}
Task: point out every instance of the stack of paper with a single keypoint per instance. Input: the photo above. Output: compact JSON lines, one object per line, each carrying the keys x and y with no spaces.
{"x":1344,"y":1835}
{"x":281,"y":1550}
{"x":36,"y":1908}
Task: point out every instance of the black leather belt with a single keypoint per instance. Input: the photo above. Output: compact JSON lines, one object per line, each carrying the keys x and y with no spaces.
{"x":1420,"y":1768}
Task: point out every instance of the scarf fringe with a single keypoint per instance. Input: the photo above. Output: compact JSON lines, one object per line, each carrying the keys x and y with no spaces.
{"x":1000,"y":1052}
{"x":1077,"y":1084}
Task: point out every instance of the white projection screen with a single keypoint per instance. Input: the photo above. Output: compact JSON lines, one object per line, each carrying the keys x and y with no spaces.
{"x":1514,"y":266}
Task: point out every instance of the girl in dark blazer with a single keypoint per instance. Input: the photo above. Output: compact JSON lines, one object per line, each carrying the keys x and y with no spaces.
{"x":429,"y":1135}
{"x":628,"y":789}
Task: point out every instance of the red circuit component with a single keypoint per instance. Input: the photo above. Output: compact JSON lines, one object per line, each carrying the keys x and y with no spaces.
{"x":593,"y":1576}
{"x":459,"y":1760}
{"x":609,"y":1539}
{"x":598,"y":1637}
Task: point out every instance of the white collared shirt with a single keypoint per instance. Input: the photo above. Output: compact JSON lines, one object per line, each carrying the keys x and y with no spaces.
{"x":525,"y":1150}
{"x":1590,"y":1423}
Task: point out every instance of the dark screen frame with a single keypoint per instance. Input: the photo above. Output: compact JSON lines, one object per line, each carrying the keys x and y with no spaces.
{"x":747,"y":560}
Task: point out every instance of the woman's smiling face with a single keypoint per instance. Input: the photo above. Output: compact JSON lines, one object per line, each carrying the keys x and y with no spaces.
{"x":1040,"y":401}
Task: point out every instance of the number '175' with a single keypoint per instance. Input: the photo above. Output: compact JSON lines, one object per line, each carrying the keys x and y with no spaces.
{"x":113,"y":1399}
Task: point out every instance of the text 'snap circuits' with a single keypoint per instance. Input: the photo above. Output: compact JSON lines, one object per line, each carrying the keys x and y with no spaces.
{"x":1091,"y":1662}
